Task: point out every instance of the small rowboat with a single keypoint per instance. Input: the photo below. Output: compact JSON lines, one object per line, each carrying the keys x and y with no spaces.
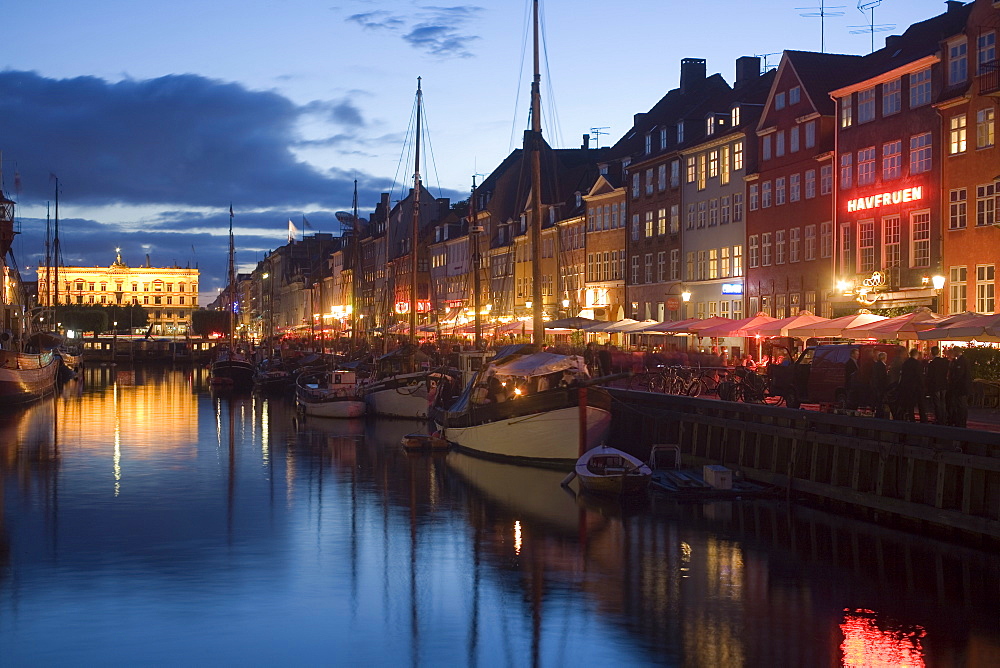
{"x":425,"y":443}
{"x":606,"y":470}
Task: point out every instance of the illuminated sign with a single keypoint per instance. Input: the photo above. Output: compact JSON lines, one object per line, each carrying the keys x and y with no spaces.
{"x":884,"y":199}
{"x":732,"y":288}
{"x":404,"y":307}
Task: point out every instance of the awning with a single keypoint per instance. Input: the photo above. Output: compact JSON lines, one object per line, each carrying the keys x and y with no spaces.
{"x":744,"y":327}
{"x":671,"y":326}
{"x":836,"y":326}
{"x":903,"y":327}
{"x":969,"y":327}
{"x":781,"y":327}
{"x":611,"y":326}
{"x":576,"y":322}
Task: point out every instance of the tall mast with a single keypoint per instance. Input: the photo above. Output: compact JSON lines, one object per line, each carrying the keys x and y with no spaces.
{"x":56,"y":255}
{"x":355,"y":273}
{"x":415,"y":230}
{"x":476,"y":287}
{"x":48,"y":266}
{"x":232,"y":275}
{"x":533,"y":147}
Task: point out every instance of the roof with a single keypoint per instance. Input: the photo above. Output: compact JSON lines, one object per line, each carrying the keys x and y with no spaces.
{"x":819,"y":73}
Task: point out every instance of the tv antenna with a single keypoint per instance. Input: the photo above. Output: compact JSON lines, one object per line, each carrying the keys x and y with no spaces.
{"x":596,"y":134}
{"x":821,"y":13}
{"x":872,"y":27}
{"x":763,"y":59}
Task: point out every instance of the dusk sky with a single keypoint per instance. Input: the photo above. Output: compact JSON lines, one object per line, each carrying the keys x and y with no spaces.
{"x":156,"y":115}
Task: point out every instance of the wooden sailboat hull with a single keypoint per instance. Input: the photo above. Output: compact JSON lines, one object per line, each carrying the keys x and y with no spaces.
{"x":235,"y":373}
{"x":605,"y":470}
{"x":337,"y":408}
{"x":25,"y":378}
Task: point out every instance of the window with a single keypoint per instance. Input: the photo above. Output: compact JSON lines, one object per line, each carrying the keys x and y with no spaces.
{"x":661,"y":221}
{"x":680,"y":132}
{"x":754,"y":197}
{"x":958,"y":62}
{"x":661,"y":266}
{"x":866,"y":166}
{"x":810,"y":134}
{"x":794,"y":95}
{"x":794,"y":188}
{"x":765,"y":194}
{"x":710,"y":125}
{"x":675,"y":218}
{"x":661,"y":177}
{"x":702,"y":265}
{"x":866,"y":105}
{"x":956,"y":134}
{"x":635,"y":269}
{"x":649,"y":181}
{"x":649,"y":268}
{"x":957,"y":209}
{"x":702,"y":214}
{"x":891,"y":97}
{"x":866,"y":246}
{"x":663,"y":138}
{"x":892,"y":160}
{"x":920,"y":88}
{"x":635,"y":227}
{"x":675,"y":264}
{"x":734,"y":116}
{"x":649,"y":142}
{"x":846,"y":250}
{"x":713,"y":212}
{"x":779,"y":191}
{"x":826,"y":179}
{"x":713,"y":163}
{"x":635,"y":185}
{"x":649,"y":224}
{"x":825,"y":239}
{"x":675,"y":173}
{"x":690,"y":169}
{"x":985,"y":288}
{"x":810,"y":183}
{"x":846,"y":112}
{"x":779,"y":247}
{"x":920,"y":239}
{"x":725,"y":167}
{"x":985,"y":127}
{"x":794,"y":243}
{"x":767,"y":147}
{"x":986,"y":50}
{"x":779,"y":143}
{"x":690,"y":266}
{"x":737,"y":207}
{"x":793,"y":139}
{"x":957,"y":291}
{"x":690,"y":216}
{"x":737,"y":310}
{"x":765,"y":249}
{"x":737,"y":156}
{"x":754,"y":251}
{"x":986,"y":204}
{"x":846,"y":168}
{"x":724,"y":265}
{"x":810,"y":245}
{"x":713,"y":264}
{"x":890,"y":242}
{"x":920,"y":153}
{"x":738,"y":260}
{"x":779,"y":100}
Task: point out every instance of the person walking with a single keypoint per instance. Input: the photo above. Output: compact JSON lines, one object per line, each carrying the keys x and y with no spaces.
{"x":937,"y":385}
{"x":850,"y":378}
{"x":911,"y":388}
{"x":880,"y":384}
{"x":959,"y":387}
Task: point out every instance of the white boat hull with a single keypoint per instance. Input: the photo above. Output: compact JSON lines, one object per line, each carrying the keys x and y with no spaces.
{"x":403,"y":402}
{"x":346,"y":408}
{"x":551,"y":436}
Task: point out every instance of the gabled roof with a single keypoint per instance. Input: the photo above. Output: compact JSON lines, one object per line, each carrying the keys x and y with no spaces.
{"x":819,"y":73}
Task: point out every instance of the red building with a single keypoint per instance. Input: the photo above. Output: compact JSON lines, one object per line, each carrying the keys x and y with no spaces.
{"x":790,"y":199}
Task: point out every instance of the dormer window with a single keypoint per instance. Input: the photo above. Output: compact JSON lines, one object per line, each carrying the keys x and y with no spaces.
{"x":663,"y":138}
{"x":710,"y":125}
{"x":649,"y":143}
{"x":958,"y":62}
{"x":734,"y":116}
{"x":680,"y":132}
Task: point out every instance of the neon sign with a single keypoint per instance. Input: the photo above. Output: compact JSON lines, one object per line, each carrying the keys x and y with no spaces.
{"x":404,"y":307}
{"x":732,"y":288}
{"x":884,"y":199}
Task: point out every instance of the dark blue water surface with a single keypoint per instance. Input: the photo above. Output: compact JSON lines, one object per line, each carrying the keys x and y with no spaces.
{"x":145,"y":521}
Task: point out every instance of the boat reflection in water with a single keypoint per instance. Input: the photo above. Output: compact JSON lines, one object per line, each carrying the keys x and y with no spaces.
{"x":126,"y":536}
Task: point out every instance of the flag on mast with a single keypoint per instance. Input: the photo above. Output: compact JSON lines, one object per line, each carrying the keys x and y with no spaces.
{"x":306,"y":225}
{"x":291,"y":231}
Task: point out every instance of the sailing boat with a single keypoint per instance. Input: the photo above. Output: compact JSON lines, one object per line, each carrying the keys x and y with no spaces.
{"x":527,"y":404}
{"x":231,"y":368}
{"x":24,"y":376}
{"x":400,"y":390}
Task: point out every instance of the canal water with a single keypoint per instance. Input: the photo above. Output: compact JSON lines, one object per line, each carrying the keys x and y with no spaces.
{"x":146,"y":521}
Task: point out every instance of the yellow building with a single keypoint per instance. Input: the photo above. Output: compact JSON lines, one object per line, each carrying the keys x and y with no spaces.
{"x":169,"y":295}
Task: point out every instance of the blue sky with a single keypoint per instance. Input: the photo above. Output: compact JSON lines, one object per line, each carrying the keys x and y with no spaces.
{"x":156,"y":115}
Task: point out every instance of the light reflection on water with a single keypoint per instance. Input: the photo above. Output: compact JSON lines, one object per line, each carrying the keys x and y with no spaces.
{"x":145,"y":520}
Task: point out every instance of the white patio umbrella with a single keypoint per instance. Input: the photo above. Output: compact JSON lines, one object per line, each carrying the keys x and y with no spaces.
{"x":977,"y":328}
{"x":903,"y":327}
{"x":610,"y":326}
{"x":834,"y":327}
{"x":744,"y":327}
{"x":781,"y":327}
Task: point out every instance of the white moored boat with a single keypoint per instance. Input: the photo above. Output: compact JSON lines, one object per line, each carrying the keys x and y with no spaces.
{"x":527,"y":406}
{"x":332,"y":394}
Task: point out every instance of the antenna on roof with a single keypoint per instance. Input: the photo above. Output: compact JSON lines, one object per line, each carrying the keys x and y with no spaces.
{"x":821,"y":15}
{"x":763,"y":60}
{"x":596,"y":134}
{"x":869,"y":6}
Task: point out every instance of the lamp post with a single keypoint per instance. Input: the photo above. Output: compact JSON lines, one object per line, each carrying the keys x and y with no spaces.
{"x":937,"y":282}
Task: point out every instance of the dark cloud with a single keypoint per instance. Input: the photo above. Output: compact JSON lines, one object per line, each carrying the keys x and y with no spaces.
{"x":439,"y":31}
{"x":179,"y":139}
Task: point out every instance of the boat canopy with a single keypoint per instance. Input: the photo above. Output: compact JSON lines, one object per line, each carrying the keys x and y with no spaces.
{"x":540,"y":364}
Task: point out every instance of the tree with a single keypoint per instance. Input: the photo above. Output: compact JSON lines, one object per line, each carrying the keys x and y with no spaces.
{"x":206,"y":323}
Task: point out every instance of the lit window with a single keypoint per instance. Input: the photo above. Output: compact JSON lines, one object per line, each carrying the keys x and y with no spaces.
{"x":691,"y":169}
{"x":957,"y":291}
{"x":985,"y":288}
{"x":737,"y":156}
{"x":985,"y":127}
{"x":846,"y":112}
{"x":735,"y":116}
{"x":713,"y":163}
{"x":661,"y":221}
{"x":956,"y":135}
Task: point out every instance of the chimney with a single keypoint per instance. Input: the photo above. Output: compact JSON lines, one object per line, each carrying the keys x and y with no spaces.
{"x":586,"y":141}
{"x":893,"y":40}
{"x":692,"y":72}
{"x":747,"y":69}
{"x":954,"y":5}
{"x":638,"y":118}
{"x":147,"y":261}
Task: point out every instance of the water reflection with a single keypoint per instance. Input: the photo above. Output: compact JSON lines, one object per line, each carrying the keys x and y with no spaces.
{"x":144,"y":518}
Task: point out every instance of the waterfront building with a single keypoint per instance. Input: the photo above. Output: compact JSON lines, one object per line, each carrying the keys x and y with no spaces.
{"x":168,"y":294}
{"x":970,"y":190}
{"x":789,"y":258}
{"x":604,"y":278}
{"x":891,"y":152}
